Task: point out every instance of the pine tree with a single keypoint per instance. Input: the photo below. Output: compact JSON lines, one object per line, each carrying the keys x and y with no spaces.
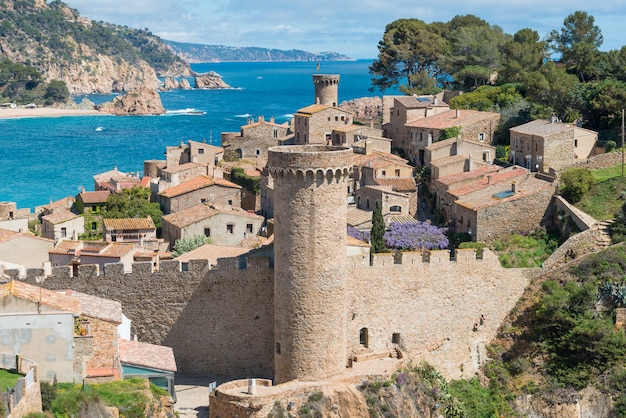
{"x":377,"y":239}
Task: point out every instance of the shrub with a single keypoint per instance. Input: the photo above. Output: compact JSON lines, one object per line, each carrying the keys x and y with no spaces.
{"x":575,"y":182}
{"x":609,"y":146}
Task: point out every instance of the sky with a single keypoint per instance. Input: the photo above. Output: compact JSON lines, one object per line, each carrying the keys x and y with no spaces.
{"x":350,"y":27}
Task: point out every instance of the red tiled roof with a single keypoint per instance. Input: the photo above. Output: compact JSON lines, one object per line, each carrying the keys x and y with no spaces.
{"x":353,"y":242}
{"x":92,"y":249}
{"x":65,"y":202}
{"x":467,"y":175}
{"x":128,"y":223}
{"x":441,"y":144}
{"x":6,"y":235}
{"x":398,"y":184}
{"x":483,"y":182}
{"x":212,"y":252}
{"x":197,"y":213}
{"x":375,"y":157}
{"x":60,"y":217}
{"x":449,"y":119}
{"x":147,"y":355}
{"x":484,"y":198}
{"x":314,"y":108}
{"x":99,"y":196}
{"x":38,"y":294}
{"x":181,"y":167}
{"x":95,"y":307}
{"x":197,"y":183}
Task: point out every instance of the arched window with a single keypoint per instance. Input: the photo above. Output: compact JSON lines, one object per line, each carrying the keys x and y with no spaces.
{"x":364,"y":337}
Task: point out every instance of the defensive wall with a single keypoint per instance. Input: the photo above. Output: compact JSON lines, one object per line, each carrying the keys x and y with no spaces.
{"x":220,"y":320}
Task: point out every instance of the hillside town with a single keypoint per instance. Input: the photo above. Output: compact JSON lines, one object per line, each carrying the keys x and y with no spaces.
{"x":253,"y":206}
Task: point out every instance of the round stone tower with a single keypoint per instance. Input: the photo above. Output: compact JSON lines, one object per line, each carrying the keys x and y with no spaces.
{"x":309,"y":260}
{"x":326,"y":89}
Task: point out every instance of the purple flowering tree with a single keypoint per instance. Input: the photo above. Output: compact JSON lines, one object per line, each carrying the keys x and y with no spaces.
{"x":360,"y":235}
{"x":416,"y":236}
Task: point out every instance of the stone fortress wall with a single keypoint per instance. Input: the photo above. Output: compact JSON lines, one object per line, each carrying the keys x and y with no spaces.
{"x":220,"y":320}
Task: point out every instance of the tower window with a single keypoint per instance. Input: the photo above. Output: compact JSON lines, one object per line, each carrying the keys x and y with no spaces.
{"x":364,"y":337}
{"x":277,"y":348}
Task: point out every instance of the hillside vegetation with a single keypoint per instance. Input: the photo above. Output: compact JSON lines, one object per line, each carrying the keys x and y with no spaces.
{"x":59,"y":44}
{"x":221,"y":53}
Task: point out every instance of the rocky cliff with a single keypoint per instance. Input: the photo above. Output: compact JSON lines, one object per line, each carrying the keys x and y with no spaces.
{"x":210,"y":80}
{"x":88,"y":56}
{"x":140,"y":101}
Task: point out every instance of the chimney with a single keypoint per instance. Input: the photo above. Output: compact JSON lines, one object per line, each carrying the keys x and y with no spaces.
{"x":470,"y":163}
{"x":435,"y":101}
{"x":458,"y":113}
{"x":489,"y":176}
{"x":513,"y":187}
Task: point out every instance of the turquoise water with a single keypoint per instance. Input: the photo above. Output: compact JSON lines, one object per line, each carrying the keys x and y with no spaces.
{"x":43,"y":159}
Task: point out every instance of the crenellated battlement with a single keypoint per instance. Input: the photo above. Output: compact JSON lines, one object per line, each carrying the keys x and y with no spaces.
{"x":433,"y":257}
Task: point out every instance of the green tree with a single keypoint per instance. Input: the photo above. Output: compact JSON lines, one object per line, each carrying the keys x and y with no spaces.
{"x":185,"y":245}
{"x":522,"y":54}
{"x":575,"y":182}
{"x":133,"y":203}
{"x":578,"y":43}
{"x":553,"y":88}
{"x":377,"y":237}
{"x":56,"y":92}
{"x":409,"y":49}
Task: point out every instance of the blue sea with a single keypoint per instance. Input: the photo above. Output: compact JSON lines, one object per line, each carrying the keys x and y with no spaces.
{"x":45,"y":159}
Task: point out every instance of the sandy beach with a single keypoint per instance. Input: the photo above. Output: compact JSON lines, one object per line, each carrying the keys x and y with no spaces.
{"x":45,"y":112}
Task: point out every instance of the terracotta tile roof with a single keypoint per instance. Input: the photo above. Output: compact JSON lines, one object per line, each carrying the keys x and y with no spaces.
{"x":196,"y":183}
{"x":449,"y":119}
{"x":542,"y":127}
{"x":212,"y":252}
{"x":145,"y":182}
{"x":200,"y":212}
{"x":180,"y":167}
{"x":95,"y":307}
{"x":114,"y":174}
{"x":448,"y":160}
{"x":353,"y":242}
{"x":416,"y":102}
{"x":347,"y":128}
{"x":383,"y":189}
{"x":60,"y":217}
{"x":314,"y":108}
{"x":478,"y":172}
{"x":100,"y":196}
{"x":377,"y":156}
{"x":111,"y":224}
{"x":147,"y":355}
{"x":65,"y":202}
{"x":92,"y":249}
{"x":398,"y":184}
{"x":483,"y":198}
{"x":38,"y":294}
{"x":359,"y":217}
{"x":481,"y":183}
{"x":401,"y":219}
{"x":441,"y":144}
{"x":6,"y":235}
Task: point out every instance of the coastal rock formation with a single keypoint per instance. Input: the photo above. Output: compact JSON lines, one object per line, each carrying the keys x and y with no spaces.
{"x":184,"y":84}
{"x":367,"y":108}
{"x":140,"y":101}
{"x":210,"y":80}
{"x":170,"y":83}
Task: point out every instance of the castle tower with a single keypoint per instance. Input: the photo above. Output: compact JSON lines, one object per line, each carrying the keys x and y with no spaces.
{"x":309,"y":260}
{"x":326,"y":89}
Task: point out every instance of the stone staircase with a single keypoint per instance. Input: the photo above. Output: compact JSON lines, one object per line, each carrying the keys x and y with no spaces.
{"x":601,"y":235}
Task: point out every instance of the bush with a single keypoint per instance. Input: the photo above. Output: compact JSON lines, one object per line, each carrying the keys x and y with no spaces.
{"x":575,"y":182}
{"x":609,"y":146}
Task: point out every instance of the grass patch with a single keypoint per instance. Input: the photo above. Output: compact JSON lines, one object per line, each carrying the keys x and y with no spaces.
{"x":525,"y":251}
{"x":8,"y":379}
{"x":605,"y":198}
{"x":603,"y":174}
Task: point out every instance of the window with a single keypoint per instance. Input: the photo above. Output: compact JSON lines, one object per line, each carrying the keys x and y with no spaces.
{"x":397,"y":172}
{"x":481,"y":137}
{"x":64,"y":232}
{"x":395,"y":208}
{"x":411,"y":135}
{"x":275,"y":133}
{"x":230,"y":202}
{"x":336,"y":118}
{"x":343,"y":118}
{"x":249,"y":227}
{"x":384,"y":172}
{"x":203,"y":200}
{"x":94,"y":226}
{"x":257,"y":152}
{"x":367,"y":203}
{"x":277,"y":348}
{"x":200,"y":150}
{"x":396,"y":338}
{"x":364,"y":337}
{"x":230,"y":228}
{"x":207,"y":232}
{"x":575,"y":143}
